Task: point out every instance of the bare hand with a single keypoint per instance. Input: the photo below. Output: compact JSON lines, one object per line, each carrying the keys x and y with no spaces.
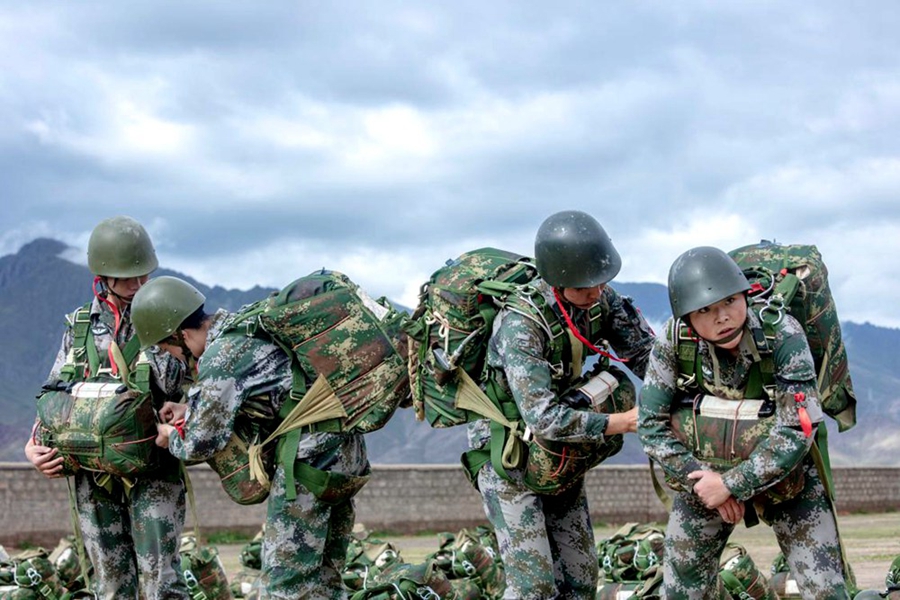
{"x":710,"y":488}
{"x":619,"y":423}
{"x":44,"y":459}
{"x":163,"y":433}
{"x":731,"y":510}
{"x":172,"y":411}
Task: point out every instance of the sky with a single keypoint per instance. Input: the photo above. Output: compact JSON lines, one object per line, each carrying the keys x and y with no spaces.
{"x":260,"y":141}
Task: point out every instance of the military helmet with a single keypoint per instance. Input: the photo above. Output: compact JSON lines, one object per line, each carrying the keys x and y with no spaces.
{"x":120,"y":247}
{"x":703,"y":276}
{"x":572,"y":250}
{"x":870,"y":595}
{"x":161,"y":306}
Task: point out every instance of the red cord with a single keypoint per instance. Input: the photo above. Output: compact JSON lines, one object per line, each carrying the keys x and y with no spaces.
{"x":562,"y":308}
{"x":118,"y":319}
{"x":562,"y":463}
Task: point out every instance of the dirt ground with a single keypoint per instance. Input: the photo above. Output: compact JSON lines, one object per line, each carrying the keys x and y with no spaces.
{"x":871,"y":542}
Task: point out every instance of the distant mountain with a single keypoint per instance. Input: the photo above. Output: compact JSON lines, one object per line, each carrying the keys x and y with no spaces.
{"x":38,"y":287}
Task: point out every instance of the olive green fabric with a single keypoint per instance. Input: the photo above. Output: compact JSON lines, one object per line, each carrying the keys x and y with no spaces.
{"x":572,"y":250}
{"x":120,"y":247}
{"x":203,"y":571}
{"x":702,"y":276}
{"x":740,"y":576}
{"x":161,"y":306}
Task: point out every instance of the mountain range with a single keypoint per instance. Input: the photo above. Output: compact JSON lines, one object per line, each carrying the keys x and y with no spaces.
{"x":38,"y":286}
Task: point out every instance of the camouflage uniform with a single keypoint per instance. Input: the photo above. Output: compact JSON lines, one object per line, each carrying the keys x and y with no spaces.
{"x":804,"y":525}
{"x":305,"y":539}
{"x":136,"y":532}
{"x":546,"y":542}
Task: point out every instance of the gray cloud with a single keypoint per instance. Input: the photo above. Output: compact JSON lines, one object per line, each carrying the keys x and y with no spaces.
{"x":405,"y":133}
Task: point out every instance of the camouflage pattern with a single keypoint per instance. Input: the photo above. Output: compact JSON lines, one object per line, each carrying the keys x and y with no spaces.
{"x":245,"y":583}
{"x":99,"y":426}
{"x":366,"y":558}
{"x":452,"y":324}
{"x":202,"y":570}
{"x":335,"y":329}
{"x":740,"y":576}
{"x":646,"y":589}
{"x":465,"y":557}
{"x":134,"y":534}
{"x":529,"y":524}
{"x":546,"y":542}
{"x":251,"y":553}
{"x":30,"y":574}
{"x":804,"y":525}
{"x":632,"y":553}
{"x":305,"y":538}
{"x":403,"y":581}
{"x":813,"y":306}
{"x":66,"y":561}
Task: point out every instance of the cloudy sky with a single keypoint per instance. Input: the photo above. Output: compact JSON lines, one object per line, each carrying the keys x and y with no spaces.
{"x":259,"y":141}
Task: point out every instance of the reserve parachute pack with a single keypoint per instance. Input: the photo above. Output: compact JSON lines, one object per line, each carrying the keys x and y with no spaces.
{"x":353,"y":350}
{"x":30,"y":575}
{"x":102,"y":422}
{"x":202,"y":570}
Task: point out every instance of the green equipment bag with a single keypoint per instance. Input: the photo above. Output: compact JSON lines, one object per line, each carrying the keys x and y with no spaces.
{"x":740,"y":576}
{"x":465,"y":556}
{"x":245,"y":583}
{"x":254,"y":422}
{"x":646,"y":589}
{"x":366,"y":559}
{"x":101,"y":424}
{"x":781,"y":580}
{"x":251,"y":553}
{"x":451,"y":327}
{"x":30,"y":575}
{"x":202,"y":570}
{"x":795,"y":278}
{"x":335,"y":332}
{"x":401,"y":581}
{"x":632,"y":553}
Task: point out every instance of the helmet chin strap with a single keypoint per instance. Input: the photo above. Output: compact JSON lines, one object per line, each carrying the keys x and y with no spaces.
{"x":182,"y":343}
{"x":109,"y":290}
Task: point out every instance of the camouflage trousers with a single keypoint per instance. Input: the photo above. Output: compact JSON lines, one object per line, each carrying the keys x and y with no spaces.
{"x":546,"y":542}
{"x":133,"y":536}
{"x":804,"y":526}
{"x":306,"y":539}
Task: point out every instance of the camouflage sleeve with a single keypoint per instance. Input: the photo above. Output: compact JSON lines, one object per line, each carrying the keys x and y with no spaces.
{"x":627,"y":331}
{"x":775,"y":457}
{"x":168,"y":373}
{"x":232,"y":369}
{"x":520,"y":344}
{"x":655,"y":410}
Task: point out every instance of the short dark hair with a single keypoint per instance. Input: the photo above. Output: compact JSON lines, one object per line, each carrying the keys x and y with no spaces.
{"x":195,"y":319}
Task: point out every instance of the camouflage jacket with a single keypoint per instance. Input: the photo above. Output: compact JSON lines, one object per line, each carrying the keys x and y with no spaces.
{"x":774,"y":457}
{"x":518,"y":354}
{"x":168,"y":372}
{"x":233,"y":369}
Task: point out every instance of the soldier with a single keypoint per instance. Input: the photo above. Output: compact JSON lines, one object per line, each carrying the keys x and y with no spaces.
{"x":539,"y":511}
{"x":130,"y":529}
{"x":760,"y":374}
{"x":306,"y":537}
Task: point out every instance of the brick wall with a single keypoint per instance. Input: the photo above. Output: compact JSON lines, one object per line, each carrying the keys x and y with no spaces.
{"x":399,"y":498}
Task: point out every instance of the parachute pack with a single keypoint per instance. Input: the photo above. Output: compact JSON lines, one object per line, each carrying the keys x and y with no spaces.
{"x":353,"y":349}
{"x":202,"y":570}
{"x":104,"y":423}
{"x":450,"y":329}
{"x":794,"y":278}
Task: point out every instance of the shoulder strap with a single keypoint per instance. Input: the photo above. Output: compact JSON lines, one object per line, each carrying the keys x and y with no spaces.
{"x":83,"y":355}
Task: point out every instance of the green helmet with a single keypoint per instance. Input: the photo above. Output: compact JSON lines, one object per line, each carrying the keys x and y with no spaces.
{"x":703,"y":276}
{"x":870,"y":595}
{"x":161,"y":306}
{"x":120,"y":247}
{"x":572,"y":250}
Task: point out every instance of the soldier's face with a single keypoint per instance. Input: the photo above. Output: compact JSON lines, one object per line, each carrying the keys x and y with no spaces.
{"x":124,"y":290}
{"x":583,"y":297}
{"x":722,"y":323}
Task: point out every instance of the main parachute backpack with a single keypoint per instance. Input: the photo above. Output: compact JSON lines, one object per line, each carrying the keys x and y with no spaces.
{"x":794,"y":278}
{"x":351,"y":347}
{"x":451,"y":327}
